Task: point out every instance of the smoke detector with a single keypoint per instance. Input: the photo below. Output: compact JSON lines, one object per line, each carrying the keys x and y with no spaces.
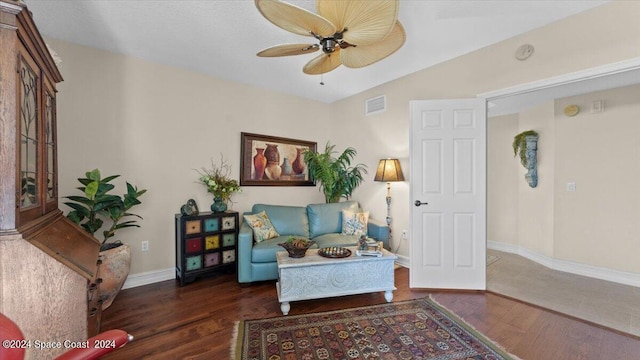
{"x":524,"y":52}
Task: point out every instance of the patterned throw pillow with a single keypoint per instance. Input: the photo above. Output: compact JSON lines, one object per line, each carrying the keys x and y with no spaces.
{"x":354,"y":223}
{"x":262,"y":227}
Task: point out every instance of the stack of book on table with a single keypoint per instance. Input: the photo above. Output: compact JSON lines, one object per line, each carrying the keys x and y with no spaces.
{"x":372,"y":251}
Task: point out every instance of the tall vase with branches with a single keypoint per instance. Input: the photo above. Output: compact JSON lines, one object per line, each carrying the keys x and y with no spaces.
{"x":337,"y":177}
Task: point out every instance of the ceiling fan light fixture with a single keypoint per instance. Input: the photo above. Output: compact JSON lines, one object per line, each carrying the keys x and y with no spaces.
{"x":329,"y":45}
{"x":370,"y":31}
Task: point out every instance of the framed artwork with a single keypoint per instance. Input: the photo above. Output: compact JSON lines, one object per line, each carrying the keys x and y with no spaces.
{"x":274,"y":161}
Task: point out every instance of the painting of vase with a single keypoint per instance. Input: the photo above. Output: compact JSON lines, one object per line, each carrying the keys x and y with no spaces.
{"x":298,"y":164}
{"x":274,"y":161}
{"x":272,"y":154}
{"x":286,"y":167}
{"x":259,"y":164}
{"x":273,"y":171}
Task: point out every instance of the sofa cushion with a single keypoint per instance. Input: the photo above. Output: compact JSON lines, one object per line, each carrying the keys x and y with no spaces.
{"x":262,"y":227}
{"x":354,"y":223}
{"x":287,"y":220}
{"x":327,"y":218}
{"x":265,"y":251}
{"x":334,"y":239}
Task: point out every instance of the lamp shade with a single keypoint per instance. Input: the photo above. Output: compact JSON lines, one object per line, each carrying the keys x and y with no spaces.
{"x":389,"y":170}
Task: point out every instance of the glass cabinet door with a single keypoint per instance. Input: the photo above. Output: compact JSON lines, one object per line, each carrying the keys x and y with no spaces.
{"x":29,"y":123}
{"x":37,"y":183}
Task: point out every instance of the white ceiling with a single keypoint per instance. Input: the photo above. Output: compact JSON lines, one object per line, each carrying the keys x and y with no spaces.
{"x":221,"y":37}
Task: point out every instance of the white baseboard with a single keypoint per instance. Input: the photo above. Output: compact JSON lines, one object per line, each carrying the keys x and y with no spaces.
{"x":402,"y":261}
{"x":617,"y":276}
{"x":149,"y":277}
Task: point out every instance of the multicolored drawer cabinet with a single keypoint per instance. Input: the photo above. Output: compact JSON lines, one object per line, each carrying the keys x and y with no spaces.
{"x":205,"y":243}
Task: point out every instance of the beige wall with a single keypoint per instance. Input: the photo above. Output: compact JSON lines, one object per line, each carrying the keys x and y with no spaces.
{"x":598,"y":223}
{"x":156,"y":124}
{"x":502,"y":180}
{"x":595,"y":225}
{"x":159,"y":123}
{"x":535,"y":205}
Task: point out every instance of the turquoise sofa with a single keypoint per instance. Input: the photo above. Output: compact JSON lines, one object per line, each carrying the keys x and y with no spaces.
{"x":319,"y":222}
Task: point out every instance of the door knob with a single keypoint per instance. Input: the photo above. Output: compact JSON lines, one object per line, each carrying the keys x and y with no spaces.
{"x":418,"y":203}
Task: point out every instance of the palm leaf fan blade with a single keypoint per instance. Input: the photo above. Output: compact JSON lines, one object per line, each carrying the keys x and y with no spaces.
{"x":322,"y":63}
{"x":294,"y":19}
{"x":366,"y":21}
{"x":360,"y":56}
{"x":288,"y":50}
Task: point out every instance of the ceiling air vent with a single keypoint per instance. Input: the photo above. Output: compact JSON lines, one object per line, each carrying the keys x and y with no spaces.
{"x":375,"y":105}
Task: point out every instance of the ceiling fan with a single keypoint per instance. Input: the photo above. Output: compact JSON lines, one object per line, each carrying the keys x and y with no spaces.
{"x":353,"y":33}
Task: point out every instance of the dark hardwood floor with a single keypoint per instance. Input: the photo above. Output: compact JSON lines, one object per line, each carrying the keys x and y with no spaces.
{"x":196,"y":321}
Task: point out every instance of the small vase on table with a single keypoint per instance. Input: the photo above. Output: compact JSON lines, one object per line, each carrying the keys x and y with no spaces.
{"x":219,"y":205}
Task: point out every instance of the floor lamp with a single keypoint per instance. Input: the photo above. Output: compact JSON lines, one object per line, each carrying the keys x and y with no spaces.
{"x":389,"y":170}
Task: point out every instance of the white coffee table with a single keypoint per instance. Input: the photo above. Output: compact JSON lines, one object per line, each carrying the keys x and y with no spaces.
{"x":315,"y":277}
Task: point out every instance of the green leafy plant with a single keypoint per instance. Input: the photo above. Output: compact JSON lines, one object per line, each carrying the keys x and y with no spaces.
{"x":298,"y":241}
{"x":96,"y":205}
{"x":218,"y":181}
{"x":336,"y":175}
{"x":520,"y":145}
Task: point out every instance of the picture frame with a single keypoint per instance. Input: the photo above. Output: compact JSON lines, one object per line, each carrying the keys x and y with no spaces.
{"x":274,"y":161}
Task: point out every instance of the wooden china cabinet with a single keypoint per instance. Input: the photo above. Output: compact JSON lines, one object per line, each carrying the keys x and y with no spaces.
{"x":48,"y":266}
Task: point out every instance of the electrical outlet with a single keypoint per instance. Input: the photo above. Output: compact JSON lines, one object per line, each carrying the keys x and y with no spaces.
{"x":404,"y":235}
{"x":145,"y":245}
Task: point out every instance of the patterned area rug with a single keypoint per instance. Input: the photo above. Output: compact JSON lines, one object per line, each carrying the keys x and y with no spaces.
{"x":414,"y":329}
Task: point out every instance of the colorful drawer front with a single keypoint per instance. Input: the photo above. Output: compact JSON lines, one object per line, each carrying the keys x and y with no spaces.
{"x":211,"y":259}
{"x":193,"y":245}
{"x":228,"y":223}
{"x":212,"y":224}
{"x":194,"y":263}
{"x":212,"y":242}
{"x":228,"y":256}
{"x":228,"y":240}
{"x":192,"y":227}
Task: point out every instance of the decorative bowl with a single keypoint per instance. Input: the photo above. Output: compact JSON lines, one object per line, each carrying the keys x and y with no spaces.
{"x":297,"y":252}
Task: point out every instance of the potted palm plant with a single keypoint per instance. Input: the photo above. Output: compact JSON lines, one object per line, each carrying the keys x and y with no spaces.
{"x":90,"y":210}
{"x":336,"y":175}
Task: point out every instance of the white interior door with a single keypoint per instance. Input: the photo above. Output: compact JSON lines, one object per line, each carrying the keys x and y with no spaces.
{"x":448,"y":194}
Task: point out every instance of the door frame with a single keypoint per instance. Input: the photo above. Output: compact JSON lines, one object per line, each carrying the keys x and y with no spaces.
{"x":599,"y":77}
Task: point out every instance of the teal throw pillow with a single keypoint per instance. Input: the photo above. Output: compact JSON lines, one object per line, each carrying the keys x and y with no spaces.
{"x":262,"y":227}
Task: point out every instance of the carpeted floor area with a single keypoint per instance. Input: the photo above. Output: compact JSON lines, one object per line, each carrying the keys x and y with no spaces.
{"x":413,"y":329}
{"x":492,"y":258}
{"x":601,"y":302}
